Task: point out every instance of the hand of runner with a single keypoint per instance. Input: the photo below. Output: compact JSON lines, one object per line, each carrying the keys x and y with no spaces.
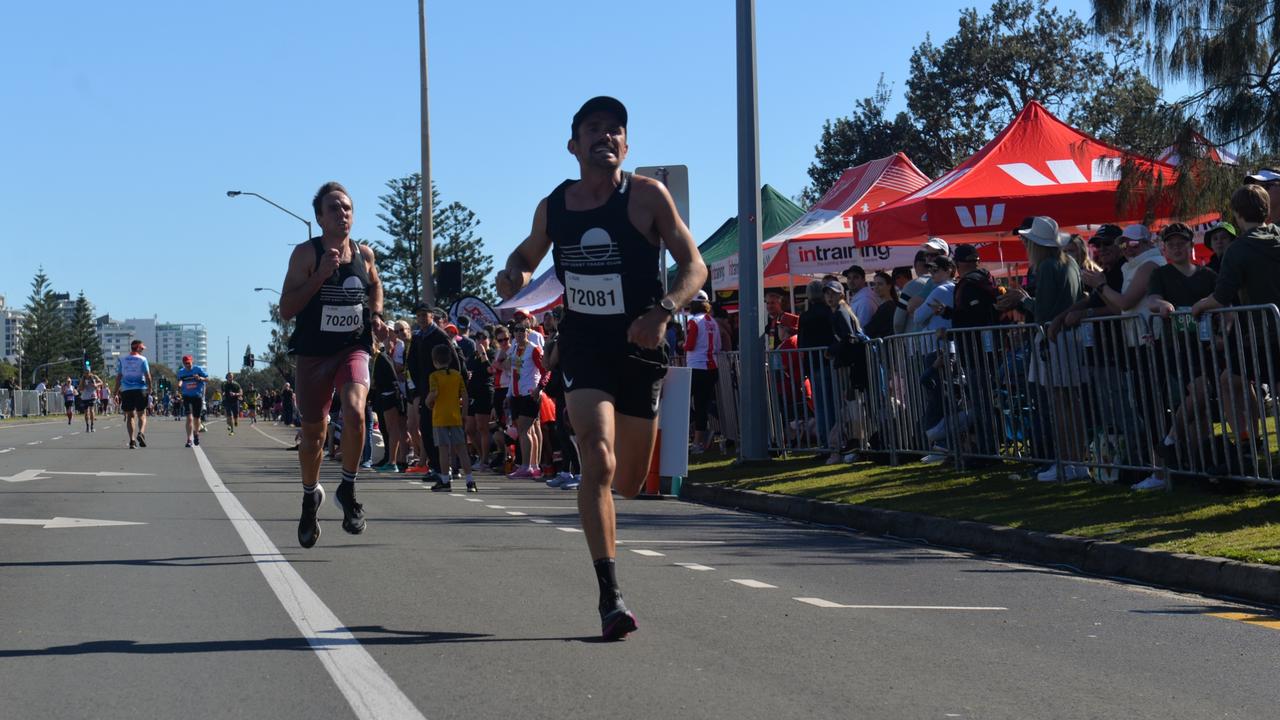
{"x":647,"y":330}
{"x":507,"y":284}
{"x":329,"y":263}
{"x":379,"y":328}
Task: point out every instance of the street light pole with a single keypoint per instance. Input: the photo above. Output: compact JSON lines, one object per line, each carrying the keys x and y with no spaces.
{"x":237,"y":193}
{"x":751,"y":325}
{"x":428,"y":286}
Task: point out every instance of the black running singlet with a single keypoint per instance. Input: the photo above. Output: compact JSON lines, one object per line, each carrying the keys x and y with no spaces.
{"x":337,"y":316}
{"x":608,"y":268}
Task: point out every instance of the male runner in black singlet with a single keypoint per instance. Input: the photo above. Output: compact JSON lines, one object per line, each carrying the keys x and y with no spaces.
{"x":604,"y":232}
{"x":332,"y":288}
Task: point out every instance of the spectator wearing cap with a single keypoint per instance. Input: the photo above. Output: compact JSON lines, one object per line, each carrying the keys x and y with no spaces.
{"x":1218,"y":238}
{"x":1269,"y":179}
{"x":914,"y":287}
{"x":976,"y":293}
{"x":916,"y":291}
{"x":881,"y":323}
{"x":702,"y":342}
{"x":901,"y":276}
{"x":1142,"y":257}
{"x":465,"y":344}
{"x":535,"y":337}
{"x":1250,"y":274}
{"x":844,"y":351}
{"x":1177,"y":286}
{"x":1058,"y":368}
{"x":1107,"y":258}
{"x":862,"y":299}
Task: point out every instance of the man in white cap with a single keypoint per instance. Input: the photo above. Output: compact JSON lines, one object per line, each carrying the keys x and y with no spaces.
{"x":1142,"y":257}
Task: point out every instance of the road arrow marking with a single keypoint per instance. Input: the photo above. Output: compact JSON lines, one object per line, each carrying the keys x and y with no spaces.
{"x":60,"y":523}
{"x":39,"y":474}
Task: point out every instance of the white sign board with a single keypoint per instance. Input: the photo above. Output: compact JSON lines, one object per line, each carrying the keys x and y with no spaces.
{"x":676,"y":178}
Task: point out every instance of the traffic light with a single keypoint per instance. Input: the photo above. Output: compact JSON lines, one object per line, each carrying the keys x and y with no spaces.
{"x":86,"y":360}
{"x":248,"y":360}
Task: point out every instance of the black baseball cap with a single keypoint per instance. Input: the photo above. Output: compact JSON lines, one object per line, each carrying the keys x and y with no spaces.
{"x":1177,"y":229}
{"x":600,"y":103}
{"x":420,"y":306}
{"x":854,"y":269}
{"x":1107,"y":234}
{"x":966,"y":253}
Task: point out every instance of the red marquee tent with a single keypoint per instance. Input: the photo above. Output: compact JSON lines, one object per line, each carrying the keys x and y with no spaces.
{"x":1038,"y":165}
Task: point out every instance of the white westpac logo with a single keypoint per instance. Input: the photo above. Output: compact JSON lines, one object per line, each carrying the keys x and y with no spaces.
{"x":1065,"y":172}
{"x":980,"y":215}
{"x":861,"y":231}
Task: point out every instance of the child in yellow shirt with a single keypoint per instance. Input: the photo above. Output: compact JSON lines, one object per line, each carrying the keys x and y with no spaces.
{"x":446,"y":396}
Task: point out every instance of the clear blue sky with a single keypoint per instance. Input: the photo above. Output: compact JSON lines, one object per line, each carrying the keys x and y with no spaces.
{"x":124,"y":124}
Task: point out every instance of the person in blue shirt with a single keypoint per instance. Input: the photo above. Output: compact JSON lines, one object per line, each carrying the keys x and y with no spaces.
{"x":133,"y":378}
{"x":191,"y":383}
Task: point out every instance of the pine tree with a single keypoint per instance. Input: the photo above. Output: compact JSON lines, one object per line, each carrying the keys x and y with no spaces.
{"x":456,"y":240}
{"x":44,"y":335}
{"x":83,"y":335}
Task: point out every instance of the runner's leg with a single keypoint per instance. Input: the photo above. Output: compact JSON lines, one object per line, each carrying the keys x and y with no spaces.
{"x":593,"y":416}
{"x":633,"y":452}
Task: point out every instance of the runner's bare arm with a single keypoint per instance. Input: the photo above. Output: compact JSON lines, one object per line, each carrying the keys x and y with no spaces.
{"x":300,"y":282}
{"x":525,"y":258}
{"x":691,"y":271}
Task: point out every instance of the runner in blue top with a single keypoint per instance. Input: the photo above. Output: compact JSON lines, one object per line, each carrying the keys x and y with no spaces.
{"x":191,"y":382}
{"x":133,"y":377}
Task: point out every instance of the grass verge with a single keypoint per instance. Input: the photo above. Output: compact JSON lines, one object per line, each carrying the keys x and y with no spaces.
{"x":1243,"y":526}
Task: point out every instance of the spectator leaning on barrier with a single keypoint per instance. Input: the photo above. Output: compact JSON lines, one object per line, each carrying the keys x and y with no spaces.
{"x":815,"y":332}
{"x":881,"y":323}
{"x":702,"y":342}
{"x":847,"y":355}
{"x":1176,"y":287}
{"x":933,"y":315}
{"x":1251,"y":274}
{"x":862,"y":299}
{"x":975,"y":293}
{"x":916,"y":291}
{"x":1056,"y":365}
{"x":1142,"y":257}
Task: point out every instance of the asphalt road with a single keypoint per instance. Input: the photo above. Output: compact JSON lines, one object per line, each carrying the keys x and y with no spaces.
{"x":483,"y":606}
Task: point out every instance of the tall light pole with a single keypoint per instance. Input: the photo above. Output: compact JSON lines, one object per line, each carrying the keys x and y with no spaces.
{"x":754,"y":443}
{"x":428,"y":287}
{"x":237,"y":193}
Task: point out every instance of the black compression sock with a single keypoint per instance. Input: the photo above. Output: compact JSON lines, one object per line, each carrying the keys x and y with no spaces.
{"x":606,"y":577}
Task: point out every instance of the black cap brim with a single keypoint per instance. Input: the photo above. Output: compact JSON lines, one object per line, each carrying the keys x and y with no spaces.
{"x":600,"y":103}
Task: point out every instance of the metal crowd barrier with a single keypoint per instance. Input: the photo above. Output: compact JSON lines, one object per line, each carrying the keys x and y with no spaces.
{"x":1117,"y":398}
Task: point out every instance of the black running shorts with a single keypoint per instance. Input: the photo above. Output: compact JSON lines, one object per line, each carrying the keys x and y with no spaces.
{"x":526,"y":406}
{"x":631,"y":375}
{"x":390,"y":400}
{"x":133,"y":400}
{"x":193,"y":404}
{"x":479,"y":403}
{"x":231,"y":408}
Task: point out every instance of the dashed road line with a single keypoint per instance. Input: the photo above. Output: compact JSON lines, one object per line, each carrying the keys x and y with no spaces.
{"x":6,"y":450}
{"x":540,"y":521}
{"x":496,"y":507}
{"x":754,"y":584}
{"x":35,"y":442}
{"x":568,"y":529}
{"x":472,"y":500}
{"x":648,"y":553}
{"x":516,"y":513}
{"x":56,"y":437}
{"x":694,"y":566}
{"x":819,"y":602}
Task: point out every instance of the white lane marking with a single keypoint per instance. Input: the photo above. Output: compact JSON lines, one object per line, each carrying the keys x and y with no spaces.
{"x":272,"y":439}
{"x":670,"y":542}
{"x":56,"y":437}
{"x":60,"y":523}
{"x":37,"y":474}
{"x":366,"y":686}
{"x":516,"y":513}
{"x":540,"y":521}
{"x":695,"y":566}
{"x":496,"y":507}
{"x":7,"y":426}
{"x":648,"y":553}
{"x":74,"y":433}
{"x":35,"y":442}
{"x":535,"y":507}
{"x":6,"y":450}
{"x":568,"y":530}
{"x":754,"y":584}
{"x":473,"y":500}
{"x":819,"y":602}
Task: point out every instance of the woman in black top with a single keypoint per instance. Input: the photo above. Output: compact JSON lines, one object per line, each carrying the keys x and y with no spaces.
{"x":480,"y":398}
{"x":388,"y":405}
{"x":881,"y":323}
{"x":816,"y":332}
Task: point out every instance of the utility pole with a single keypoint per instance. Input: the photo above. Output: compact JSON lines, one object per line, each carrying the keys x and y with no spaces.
{"x":428,"y":286}
{"x":751,"y":322}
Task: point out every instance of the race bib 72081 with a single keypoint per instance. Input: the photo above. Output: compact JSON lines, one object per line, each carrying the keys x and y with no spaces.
{"x":341,"y":318}
{"x":594,"y":294}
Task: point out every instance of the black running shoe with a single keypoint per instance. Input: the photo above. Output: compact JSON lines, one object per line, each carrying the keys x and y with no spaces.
{"x":196,"y":438}
{"x":142,"y":441}
{"x":471,"y":487}
{"x":442,"y":486}
{"x":132,"y":444}
{"x":308,"y":526}
{"x":352,"y":511}
{"x":616,"y":621}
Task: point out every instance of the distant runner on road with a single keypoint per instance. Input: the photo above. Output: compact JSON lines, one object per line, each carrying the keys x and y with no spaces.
{"x":69,"y":399}
{"x":231,"y":403}
{"x":89,"y":386}
{"x":133,"y":379}
{"x":191,"y":383}
{"x":333,"y":292}
{"x":604,"y":231}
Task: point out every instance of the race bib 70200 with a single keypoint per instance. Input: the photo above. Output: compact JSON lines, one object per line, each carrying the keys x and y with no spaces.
{"x":341,"y":318}
{"x":594,"y":294}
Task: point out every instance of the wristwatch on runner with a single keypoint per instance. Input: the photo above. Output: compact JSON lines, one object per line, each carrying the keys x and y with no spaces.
{"x":669,"y":305}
